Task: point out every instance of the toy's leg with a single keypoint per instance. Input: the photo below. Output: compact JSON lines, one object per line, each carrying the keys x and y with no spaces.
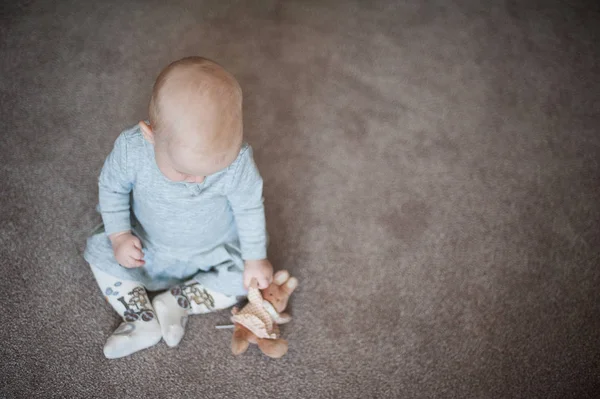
{"x":240,"y":340}
{"x":174,"y":306}
{"x":140,"y":329}
{"x":275,"y":348}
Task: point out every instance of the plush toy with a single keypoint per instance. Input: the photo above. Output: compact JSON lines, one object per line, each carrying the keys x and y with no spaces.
{"x":257,"y":322}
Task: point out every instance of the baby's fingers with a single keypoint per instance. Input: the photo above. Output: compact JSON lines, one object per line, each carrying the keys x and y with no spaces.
{"x":136,"y":242}
{"x":136,"y":253}
{"x":135,"y":257}
{"x":136,"y":262}
{"x":247,"y":279}
{"x":263,"y":282}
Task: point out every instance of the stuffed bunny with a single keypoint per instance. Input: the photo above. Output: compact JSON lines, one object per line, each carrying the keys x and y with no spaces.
{"x":257,"y":322}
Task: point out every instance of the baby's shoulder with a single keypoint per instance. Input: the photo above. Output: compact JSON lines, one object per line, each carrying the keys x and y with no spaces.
{"x":243,"y":159}
{"x":132,"y":138}
{"x":244,"y":155}
{"x":130,"y":143}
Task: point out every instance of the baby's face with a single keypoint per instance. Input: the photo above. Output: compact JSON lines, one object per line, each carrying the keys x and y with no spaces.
{"x":178,"y":162}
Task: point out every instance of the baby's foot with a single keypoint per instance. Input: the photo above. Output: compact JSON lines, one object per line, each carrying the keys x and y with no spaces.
{"x":173,"y":307}
{"x":140,"y":329}
{"x":131,"y":337}
{"x":173,"y":317}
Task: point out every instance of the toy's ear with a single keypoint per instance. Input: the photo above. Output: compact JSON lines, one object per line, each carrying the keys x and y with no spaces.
{"x":239,"y":341}
{"x":289,"y":286}
{"x":281,"y":277}
{"x":274,"y":348}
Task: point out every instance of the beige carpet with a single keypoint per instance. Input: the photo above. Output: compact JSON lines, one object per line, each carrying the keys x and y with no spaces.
{"x":431,"y":177}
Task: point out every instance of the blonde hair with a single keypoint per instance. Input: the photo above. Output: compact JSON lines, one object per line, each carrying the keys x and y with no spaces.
{"x":203,"y":77}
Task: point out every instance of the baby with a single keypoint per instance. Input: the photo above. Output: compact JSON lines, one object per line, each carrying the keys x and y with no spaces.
{"x":182,"y":206}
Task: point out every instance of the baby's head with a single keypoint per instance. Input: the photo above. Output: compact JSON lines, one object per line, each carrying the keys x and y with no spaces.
{"x":195,"y":119}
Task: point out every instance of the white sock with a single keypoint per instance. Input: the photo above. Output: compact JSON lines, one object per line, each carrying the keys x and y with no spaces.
{"x":173,"y":307}
{"x":140,"y":329}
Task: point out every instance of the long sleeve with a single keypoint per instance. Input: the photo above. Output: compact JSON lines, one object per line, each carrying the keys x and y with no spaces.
{"x":114,"y":186}
{"x":246,"y":199}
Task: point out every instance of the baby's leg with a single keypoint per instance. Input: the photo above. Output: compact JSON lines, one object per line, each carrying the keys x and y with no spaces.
{"x":174,"y":306}
{"x":140,"y":329}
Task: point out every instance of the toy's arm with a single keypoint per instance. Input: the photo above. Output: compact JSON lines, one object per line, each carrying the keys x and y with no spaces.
{"x":283,"y":318}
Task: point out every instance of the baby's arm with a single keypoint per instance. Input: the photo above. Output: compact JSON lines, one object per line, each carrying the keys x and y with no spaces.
{"x":246,"y":199}
{"x":114,"y":185}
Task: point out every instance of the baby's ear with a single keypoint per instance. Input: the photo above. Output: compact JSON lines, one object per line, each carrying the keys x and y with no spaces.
{"x":147,"y":131}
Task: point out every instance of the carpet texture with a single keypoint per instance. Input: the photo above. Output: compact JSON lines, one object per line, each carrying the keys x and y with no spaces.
{"x":431,"y":177}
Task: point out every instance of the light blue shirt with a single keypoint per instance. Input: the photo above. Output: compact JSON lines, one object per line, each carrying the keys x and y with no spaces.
{"x":187,"y":229}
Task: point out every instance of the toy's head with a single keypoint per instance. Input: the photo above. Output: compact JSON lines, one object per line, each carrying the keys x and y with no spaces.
{"x":278,"y":293}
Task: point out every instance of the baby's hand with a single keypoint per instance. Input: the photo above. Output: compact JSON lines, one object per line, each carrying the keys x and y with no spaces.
{"x":261,"y":270}
{"x":127,"y":249}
